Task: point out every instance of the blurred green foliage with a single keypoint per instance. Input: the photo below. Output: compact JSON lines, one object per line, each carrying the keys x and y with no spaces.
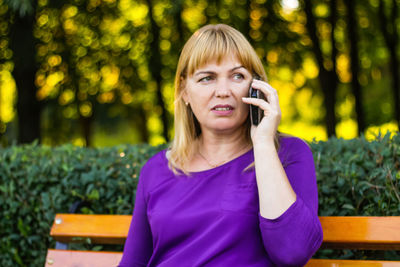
{"x":95,"y":66}
{"x":355,"y":177}
{"x":38,"y":181}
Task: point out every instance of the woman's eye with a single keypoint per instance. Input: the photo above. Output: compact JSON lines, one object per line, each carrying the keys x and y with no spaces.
{"x":238,"y":76}
{"x":205,"y":79}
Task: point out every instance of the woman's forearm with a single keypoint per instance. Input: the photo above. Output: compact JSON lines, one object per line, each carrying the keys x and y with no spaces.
{"x":276,"y":194}
{"x":289,"y":224}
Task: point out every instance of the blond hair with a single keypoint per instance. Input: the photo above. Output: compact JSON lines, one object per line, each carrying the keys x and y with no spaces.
{"x":209,"y":43}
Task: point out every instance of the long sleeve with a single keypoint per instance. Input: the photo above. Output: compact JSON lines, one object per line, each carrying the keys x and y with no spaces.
{"x":138,"y":246}
{"x":292,"y":238}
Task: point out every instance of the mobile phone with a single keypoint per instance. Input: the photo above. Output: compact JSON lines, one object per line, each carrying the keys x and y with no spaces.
{"x":255,"y":112}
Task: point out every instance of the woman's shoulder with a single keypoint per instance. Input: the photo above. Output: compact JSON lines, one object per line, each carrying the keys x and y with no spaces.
{"x":155,"y":171}
{"x":292,"y":147}
{"x":293,"y":142}
{"x":157,"y":161}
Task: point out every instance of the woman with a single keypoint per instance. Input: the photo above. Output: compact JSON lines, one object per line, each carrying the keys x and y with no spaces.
{"x":226,"y":193}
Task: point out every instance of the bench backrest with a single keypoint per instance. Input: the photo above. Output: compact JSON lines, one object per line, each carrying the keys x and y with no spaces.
{"x":377,"y":233}
{"x":101,"y":229}
{"x":380,"y":233}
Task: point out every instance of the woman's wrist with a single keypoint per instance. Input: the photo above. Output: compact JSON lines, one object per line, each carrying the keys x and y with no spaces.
{"x":264,"y":146}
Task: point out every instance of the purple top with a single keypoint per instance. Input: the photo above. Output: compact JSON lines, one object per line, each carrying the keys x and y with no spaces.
{"x":212,"y":218}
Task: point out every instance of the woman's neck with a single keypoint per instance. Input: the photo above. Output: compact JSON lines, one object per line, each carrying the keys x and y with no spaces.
{"x":217,"y":149}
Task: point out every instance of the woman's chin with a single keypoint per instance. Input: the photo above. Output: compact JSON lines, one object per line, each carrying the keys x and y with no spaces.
{"x":226,"y":127}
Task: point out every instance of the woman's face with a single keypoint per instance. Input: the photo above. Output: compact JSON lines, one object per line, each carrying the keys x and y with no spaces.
{"x":215,"y":92}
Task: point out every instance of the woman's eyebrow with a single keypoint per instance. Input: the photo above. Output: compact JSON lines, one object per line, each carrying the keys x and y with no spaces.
{"x":204,"y":72}
{"x":213,"y":72}
{"x":235,"y":68}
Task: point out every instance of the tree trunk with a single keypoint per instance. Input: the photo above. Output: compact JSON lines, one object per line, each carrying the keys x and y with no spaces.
{"x":155,"y":66}
{"x":329,"y":85}
{"x":391,"y":39}
{"x":22,"y":43}
{"x":142,"y":123}
{"x":355,"y":84}
{"x":180,"y":24}
{"x":86,"y":126}
{"x":328,"y":78}
{"x":246,"y":22}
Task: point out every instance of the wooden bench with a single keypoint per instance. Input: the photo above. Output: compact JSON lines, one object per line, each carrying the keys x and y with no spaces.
{"x":375,"y":233}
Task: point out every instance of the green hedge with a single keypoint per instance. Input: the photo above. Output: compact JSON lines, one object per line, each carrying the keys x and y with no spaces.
{"x":355,"y":177}
{"x":37,"y":182}
{"x":358,"y":178}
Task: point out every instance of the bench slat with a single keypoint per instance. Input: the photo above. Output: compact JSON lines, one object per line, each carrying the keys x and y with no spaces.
{"x":101,"y":229}
{"x":380,"y":233}
{"x":62,"y":258}
{"x":339,"y":232}
{"x":345,"y":263}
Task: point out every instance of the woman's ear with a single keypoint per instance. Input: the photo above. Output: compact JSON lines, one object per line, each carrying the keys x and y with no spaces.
{"x":185,"y":96}
{"x":184,"y":93}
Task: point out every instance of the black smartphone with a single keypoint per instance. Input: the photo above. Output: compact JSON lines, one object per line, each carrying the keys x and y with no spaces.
{"x":255,"y":112}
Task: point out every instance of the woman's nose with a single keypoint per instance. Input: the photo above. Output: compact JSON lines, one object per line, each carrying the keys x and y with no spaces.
{"x":223,"y":88}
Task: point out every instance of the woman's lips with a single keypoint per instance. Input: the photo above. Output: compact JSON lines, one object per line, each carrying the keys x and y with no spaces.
{"x":222,"y":110}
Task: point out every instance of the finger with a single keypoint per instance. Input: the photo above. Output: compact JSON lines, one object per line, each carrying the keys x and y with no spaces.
{"x":261,"y":103}
{"x":270,"y":95}
{"x":269,"y":92}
